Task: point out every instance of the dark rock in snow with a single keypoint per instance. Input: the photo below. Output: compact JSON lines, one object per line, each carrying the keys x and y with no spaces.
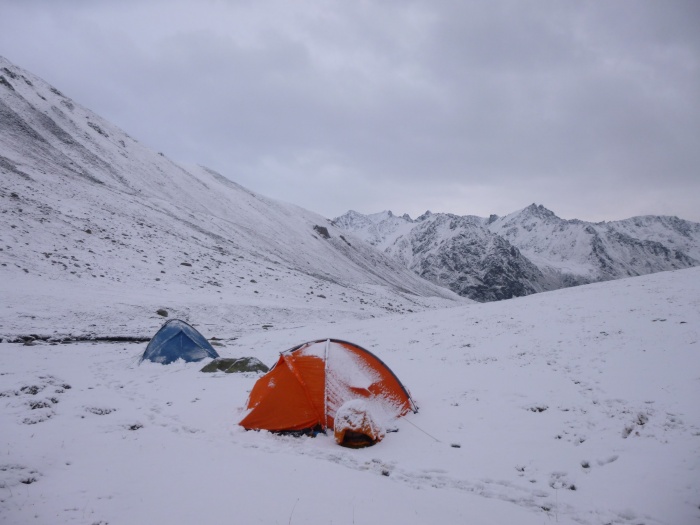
{"x":322,"y":231}
{"x":233,"y":365}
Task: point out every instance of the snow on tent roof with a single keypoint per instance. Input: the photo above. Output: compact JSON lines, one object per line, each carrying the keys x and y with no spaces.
{"x":178,"y":340}
{"x":310,"y":382}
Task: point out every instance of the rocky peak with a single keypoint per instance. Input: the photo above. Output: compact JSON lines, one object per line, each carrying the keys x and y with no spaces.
{"x":539,"y":211}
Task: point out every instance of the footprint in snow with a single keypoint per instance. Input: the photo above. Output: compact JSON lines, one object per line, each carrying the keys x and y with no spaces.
{"x":12,"y":475}
{"x":609,"y":459}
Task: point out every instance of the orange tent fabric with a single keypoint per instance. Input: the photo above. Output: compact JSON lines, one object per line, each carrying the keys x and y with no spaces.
{"x":310,"y":382}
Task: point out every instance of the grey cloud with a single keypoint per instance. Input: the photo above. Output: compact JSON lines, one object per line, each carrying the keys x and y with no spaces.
{"x":337,"y":105}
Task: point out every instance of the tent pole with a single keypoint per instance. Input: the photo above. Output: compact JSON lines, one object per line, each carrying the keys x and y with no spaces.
{"x":325,"y":386}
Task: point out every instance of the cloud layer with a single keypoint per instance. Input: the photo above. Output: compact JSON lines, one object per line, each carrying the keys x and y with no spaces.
{"x":592,"y":109}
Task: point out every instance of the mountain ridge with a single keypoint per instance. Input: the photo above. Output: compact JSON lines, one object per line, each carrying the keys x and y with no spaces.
{"x":83,"y":201}
{"x":528,"y":251}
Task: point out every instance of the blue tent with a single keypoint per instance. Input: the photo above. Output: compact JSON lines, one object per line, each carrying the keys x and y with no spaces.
{"x":178,"y":340}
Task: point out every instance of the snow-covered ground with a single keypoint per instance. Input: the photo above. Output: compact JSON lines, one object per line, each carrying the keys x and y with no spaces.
{"x":574,"y":406}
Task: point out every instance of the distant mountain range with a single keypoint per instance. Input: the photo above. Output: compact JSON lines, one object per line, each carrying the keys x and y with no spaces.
{"x":528,"y":251}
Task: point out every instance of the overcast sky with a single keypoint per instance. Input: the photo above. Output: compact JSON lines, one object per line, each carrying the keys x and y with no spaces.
{"x":589,"y":108}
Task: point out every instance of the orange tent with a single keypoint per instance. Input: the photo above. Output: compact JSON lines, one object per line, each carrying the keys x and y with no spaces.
{"x":310,"y":382}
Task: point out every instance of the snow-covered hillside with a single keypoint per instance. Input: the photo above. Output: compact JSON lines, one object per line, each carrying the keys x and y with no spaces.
{"x":574,"y":406}
{"x":83,"y":202}
{"x":528,"y":251}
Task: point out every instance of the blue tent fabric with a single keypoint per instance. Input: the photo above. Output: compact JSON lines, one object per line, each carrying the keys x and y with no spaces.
{"x":178,"y":340}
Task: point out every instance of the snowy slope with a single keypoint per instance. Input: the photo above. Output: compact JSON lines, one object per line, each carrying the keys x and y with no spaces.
{"x":378,"y":229}
{"x":597,"y":251}
{"x":528,"y":251}
{"x":82,"y":201}
{"x":574,"y":406}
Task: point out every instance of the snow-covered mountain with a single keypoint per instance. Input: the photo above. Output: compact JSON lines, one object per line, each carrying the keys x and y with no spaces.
{"x":528,"y":251}
{"x":599,"y":251}
{"x":83,"y":201}
{"x":457,"y":252}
